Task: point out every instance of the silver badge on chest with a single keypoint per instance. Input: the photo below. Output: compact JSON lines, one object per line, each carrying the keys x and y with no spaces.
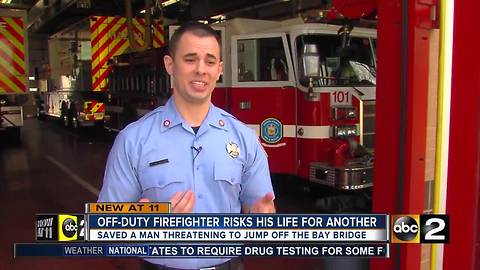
{"x":233,"y":150}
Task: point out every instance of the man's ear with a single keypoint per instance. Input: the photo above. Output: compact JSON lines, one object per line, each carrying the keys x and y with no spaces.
{"x":220,"y":71}
{"x":168,"y":61}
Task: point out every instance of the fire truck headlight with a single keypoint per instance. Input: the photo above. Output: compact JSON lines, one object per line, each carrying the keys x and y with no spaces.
{"x":3,"y":101}
{"x":350,"y":114}
{"x":344,"y":113}
{"x":344,"y":131}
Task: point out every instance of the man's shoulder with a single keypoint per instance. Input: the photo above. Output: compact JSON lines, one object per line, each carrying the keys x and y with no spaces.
{"x":236,"y":124}
{"x":224,"y":113}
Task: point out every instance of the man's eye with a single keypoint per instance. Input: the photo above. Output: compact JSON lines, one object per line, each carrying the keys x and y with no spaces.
{"x":189,"y":60}
{"x":211,"y":61}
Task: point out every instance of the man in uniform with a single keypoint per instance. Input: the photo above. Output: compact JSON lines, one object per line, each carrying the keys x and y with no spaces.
{"x":189,"y":152}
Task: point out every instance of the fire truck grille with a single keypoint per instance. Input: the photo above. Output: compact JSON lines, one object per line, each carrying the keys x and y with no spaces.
{"x":346,"y":178}
{"x":322,"y":174}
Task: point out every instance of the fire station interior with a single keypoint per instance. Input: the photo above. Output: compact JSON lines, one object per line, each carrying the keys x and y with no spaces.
{"x":362,"y":107}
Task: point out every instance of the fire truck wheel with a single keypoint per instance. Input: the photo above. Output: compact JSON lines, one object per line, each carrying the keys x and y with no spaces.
{"x":99,"y":126}
{"x":14,"y":135}
{"x":319,"y":190}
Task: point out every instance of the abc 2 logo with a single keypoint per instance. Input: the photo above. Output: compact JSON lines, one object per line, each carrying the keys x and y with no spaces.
{"x":61,"y":227}
{"x":420,"y":229}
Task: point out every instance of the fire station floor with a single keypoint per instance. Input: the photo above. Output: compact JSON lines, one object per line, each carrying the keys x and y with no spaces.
{"x":57,"y":170}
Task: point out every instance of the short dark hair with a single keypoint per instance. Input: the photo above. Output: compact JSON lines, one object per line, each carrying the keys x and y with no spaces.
{"x":197,"y":29}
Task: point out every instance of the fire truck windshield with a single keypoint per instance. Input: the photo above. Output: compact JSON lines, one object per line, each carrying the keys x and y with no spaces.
{"x":322,"y":58}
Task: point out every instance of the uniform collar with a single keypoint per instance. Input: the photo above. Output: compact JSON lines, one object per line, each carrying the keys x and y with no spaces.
{"x":215,"y":118}
{"x":173,"y":118}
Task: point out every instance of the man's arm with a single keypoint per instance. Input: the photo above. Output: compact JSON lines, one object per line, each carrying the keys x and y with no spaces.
{"x":120,"y":182}
{"x":257,"y":193}
{"x":263,"y":205}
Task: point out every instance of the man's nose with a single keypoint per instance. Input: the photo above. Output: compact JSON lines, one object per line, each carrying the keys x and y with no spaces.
{"x":201,"y":67}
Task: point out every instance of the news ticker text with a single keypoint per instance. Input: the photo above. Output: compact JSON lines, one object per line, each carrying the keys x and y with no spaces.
{"x":201,"y":250}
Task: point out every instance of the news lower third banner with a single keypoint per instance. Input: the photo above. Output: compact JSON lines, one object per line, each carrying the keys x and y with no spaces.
{"x":149,"y":230}
{"x":237,"y":228}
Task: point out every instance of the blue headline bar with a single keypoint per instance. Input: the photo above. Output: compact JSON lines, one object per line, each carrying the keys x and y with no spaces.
{"x":236,"y":221}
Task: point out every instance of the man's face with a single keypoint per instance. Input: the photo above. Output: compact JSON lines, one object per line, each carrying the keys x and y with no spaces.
{"x":195,"y":68}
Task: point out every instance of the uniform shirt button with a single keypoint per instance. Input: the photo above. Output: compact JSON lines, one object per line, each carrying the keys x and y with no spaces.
{"x":200,"y":196}
{"x":198,"y":168}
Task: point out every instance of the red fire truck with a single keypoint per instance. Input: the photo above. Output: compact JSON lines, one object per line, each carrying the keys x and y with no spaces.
{"x":137,"y":84}
{"x":14,"y":88}
{"x":308,"y":92}
{"x":80,"y":63}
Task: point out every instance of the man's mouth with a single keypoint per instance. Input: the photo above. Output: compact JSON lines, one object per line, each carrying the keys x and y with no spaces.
{"x":199,"y":83}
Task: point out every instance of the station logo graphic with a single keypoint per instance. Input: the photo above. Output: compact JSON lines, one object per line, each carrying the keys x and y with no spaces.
{"x":420,"y":229}
{"x":60,"y":227}
{"x":46,"y":228}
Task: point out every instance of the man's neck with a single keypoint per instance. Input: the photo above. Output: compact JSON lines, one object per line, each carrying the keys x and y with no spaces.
{"x":193,"y":114}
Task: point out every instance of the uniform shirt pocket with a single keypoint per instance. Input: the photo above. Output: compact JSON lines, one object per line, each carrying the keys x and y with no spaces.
{"x":160,"y":182}
{"x":228,"y":179}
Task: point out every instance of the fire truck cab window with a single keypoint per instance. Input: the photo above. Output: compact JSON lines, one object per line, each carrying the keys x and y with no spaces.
{"x":322,"y":59}
{"x":261,"y":59}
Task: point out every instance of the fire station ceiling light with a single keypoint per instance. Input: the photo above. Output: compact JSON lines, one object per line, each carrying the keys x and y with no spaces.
{"x":169,"y":2}
{"x":142,"y":11}
{"x":5,"y":1}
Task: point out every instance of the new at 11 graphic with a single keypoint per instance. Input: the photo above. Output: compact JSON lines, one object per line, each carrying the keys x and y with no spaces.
{"x":55,"y":227}
{"x":420,"y":229}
